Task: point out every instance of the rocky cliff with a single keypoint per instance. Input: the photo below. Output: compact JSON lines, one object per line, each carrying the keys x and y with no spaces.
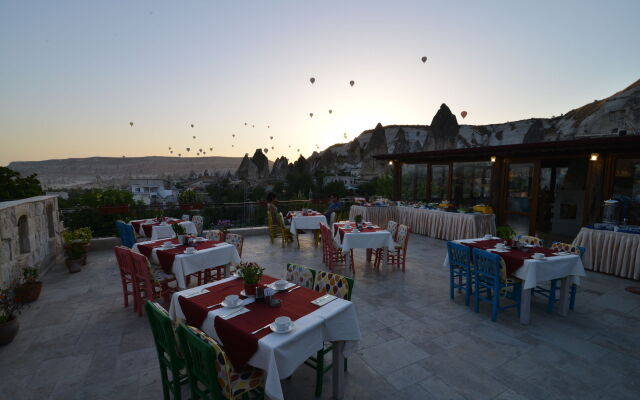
{"x":255,"y":168}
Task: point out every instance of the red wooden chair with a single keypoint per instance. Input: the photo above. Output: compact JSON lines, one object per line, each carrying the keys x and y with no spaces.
{"x":149,"y":283}
{"x":125,"y":265}
{"x":334,"y":255}
{"x":397,"y":256}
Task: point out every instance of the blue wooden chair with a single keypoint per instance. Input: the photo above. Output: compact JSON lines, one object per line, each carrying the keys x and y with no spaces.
{"x":125,"y":232}
{"x":489,"y":286}
{"x":551,"y":293}
{"x":460,"y":270}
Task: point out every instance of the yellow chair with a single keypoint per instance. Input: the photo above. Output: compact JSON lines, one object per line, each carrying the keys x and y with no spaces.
{"x":274,"y":229}
{"x":287,"y":237}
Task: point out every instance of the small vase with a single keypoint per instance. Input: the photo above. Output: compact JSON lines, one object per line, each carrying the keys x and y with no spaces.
{"x":250,"y":289}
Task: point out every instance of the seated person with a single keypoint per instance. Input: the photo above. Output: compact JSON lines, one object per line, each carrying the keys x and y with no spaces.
{"x":272,"y":206}
{"x":334,"y":206}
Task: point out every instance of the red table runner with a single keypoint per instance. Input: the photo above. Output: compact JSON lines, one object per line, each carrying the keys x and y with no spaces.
{"x":342,"y":230}
{"x":235,"y":333}
{"x":166,"y":257}
{"x":136,"y":225}
{"x":513,"y":259}
{"x":291,"y":214}
{"x":147,"y":248}
{"x":148,"y":228}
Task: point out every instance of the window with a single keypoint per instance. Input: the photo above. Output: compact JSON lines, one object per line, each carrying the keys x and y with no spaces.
{"x":439,"y":183}
{"x":414,"y":181}
{"x":626,"y":189}
{"x":471,"y":183}
{"x":50,"y":222}
{"x":23,"y":234}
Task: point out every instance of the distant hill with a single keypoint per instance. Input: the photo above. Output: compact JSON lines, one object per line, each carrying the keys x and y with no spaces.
{"x":109,"y":171}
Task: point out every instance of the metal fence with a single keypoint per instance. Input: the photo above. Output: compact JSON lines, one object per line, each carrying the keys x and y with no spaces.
{"x":238,"y":215}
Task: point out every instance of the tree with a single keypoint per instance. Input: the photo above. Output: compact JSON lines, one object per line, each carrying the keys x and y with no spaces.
{"x":13,"y":186}
{"x":336,"y":187}
{"x":380,"y":186}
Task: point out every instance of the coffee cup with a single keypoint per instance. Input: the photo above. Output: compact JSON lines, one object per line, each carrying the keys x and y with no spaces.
{"x":488,"y":237}
{"x":280,"y":285}
{"x":190,"y":250}
{"x":282,"y":323}
{"x":500,"y":246}
{"x":232,"y":300}
{"x":538,"y":256}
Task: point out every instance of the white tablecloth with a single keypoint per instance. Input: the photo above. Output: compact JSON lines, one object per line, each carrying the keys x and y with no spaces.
{"x":186,"y":264}
{"x":279,"y":355}
{"x":306,"y":222}
{"x":365,"y":240}
{"x":437,"y":224}
{"x":615,"y":253}
{"x":166,"y":231}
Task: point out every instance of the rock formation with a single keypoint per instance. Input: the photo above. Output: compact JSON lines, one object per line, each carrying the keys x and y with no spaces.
{"x":280,"y":169}
{"x":444,"y":130}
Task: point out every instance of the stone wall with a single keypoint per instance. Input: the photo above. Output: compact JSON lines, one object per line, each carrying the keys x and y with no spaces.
{"x":29,"y":235}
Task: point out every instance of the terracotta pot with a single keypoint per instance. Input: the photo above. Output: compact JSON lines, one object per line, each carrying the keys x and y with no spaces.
{"x":28,"y":292}
{"x":250,"y":289}
{"x":74,"y":265}
{"x":8,"y":331}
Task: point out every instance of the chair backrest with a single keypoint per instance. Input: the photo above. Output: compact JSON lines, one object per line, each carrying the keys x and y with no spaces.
{"x":236,"y":240}
{"x":459,"y":255}
{"x":185,"y":217}
{"x":536,"y":241}
{"x":126,"y":234}
{"x":142,"y":269}
{"x":330,"y":283}
{"x":207,"y":364}
{"x":392,"y":226}
{"x":402,"y":238}
{"x":300,"y":275}
{"x":213,"y":234}
{"x":198,"y":221}
{"x":163,"y":335}
{"x":332,"y":218}
{"x":569,"y":248}
{"x":486,"y":265}
{"x":325,"y":233}
{"x":281,"y":221}
{"x":125,"y":263}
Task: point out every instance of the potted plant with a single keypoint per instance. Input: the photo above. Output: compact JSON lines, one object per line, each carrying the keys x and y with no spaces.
{"x":9,"y":311}
{"x":358,"y":220}
{"x":180,"y":232}
{"x":224,"y":226}
{"x":188,"y":201}
{"x":505,"y":232}
{"x":30,"y":288}
{"x":76,"y":243}
{"x":251,"y":273}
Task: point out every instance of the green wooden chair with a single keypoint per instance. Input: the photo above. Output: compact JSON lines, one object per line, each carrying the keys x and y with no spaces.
{"x":211,"y":374}
{"x":167,"y":349}
{"x":339,"y":286}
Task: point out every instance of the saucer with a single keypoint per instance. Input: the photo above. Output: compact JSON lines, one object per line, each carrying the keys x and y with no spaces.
{"x":190,"y":252}
{"x":243,"y":293}
{"x":273,"y":328}
{"x":225,"y":305}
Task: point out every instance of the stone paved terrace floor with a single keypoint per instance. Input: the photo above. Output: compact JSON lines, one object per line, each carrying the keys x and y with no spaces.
{"x":78,"y":342}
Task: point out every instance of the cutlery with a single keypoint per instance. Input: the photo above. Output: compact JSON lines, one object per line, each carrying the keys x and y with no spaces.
{"x":227,"y":316}
{"x":258,"y":330}
{"x":328,"y":302}
{"x":291,"y":290}
{"x":215,"y":305}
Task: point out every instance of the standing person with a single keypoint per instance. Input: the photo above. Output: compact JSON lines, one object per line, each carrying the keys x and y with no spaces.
{"x":334,"y":206}
{"x":272,"y":206}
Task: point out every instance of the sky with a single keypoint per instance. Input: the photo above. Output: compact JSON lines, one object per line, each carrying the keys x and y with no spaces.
{"x":74,"y":74}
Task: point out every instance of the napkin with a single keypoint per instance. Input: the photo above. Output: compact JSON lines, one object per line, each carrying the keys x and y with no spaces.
{"x":231,"y":314}
{"x":196,"y":293}
{"x":327,"y":298}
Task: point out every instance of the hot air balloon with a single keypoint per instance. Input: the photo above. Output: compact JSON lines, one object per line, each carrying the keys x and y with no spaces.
{"x":311,"y":115}
{"x":171,"y":152}
{"x":312,"y":80}
{"x":169,"y":148}
{"x":245,"y":123}
{"x":298,"y":150}
{"x":345,"y":135}
{"x":231,"y":145}
{"x":192,"y":125}
{"x":268,"y":126}
{"x":424,"y":59}
{"x":210,"y":148}
{"x":123,"y":156}
{"x":271,"y":137}
{"x":289,"y":146}
{"x":234,"y":135}
{"x":194,"y":137}
{"x":464,"y":114}
{"x":330,"y":111}
{"x":179,"y":154}
{"x":188,"y":149}
{"x":266,"y":150}
{"x":253,"y":126}
{"x":271,"y":147}
{"x":131,"y":123}
{"x":352,"y":83}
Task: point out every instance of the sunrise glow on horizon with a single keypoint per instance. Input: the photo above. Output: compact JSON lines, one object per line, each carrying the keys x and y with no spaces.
{"x":75,"y":74}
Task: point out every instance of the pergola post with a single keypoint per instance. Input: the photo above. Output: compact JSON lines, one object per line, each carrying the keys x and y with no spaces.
{"x":397,"y":181}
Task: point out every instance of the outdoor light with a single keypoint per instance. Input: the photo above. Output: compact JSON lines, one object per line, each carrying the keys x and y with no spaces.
{"x":390,"y":162}
{"x":594,"y":157}
{"x":493,"y":159}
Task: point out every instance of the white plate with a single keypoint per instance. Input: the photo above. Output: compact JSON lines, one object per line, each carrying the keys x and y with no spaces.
{"x":289,"y":285}
{"x":226,"y":306}
{"x":242,"y":293}
{"x":190,"y":252}
{"x":273,"y":328}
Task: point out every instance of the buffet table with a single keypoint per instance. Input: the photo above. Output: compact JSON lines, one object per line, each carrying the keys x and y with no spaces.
{"x":432,"y":223}
{"x":615,"y":253}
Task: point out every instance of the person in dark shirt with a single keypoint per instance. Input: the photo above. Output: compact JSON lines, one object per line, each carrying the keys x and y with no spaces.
{"x":334,"y":206}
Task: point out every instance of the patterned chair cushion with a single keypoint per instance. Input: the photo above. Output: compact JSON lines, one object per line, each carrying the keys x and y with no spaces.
{"x":536,"y":241}
{"x":392,"y":226}
{"x":158,"y":275}
{"x":569,"y":248}
{"x":236,"y":240}
{"x":213,"y":234}
{"x":299,"y":275}
{"x":337,"y":285}
{"x":232,"y":382}
{"x":403,"y":230}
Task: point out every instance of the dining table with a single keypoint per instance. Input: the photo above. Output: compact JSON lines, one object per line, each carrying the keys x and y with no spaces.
{"x":369,"y":236}
{"x":520,"y":263}
{"x":309,"y":220}
{"x":246,"y":332}
{"x":178,"y":260}
{"x":155,"y":229}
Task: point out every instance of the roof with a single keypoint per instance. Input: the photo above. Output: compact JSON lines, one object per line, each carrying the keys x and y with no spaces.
{"x":579,"y":146}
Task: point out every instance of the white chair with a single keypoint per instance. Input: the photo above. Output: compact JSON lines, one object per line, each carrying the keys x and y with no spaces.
{"x":185,"y":217}
{"x":198,"y":221}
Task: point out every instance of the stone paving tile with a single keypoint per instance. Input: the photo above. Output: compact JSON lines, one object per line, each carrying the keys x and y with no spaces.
{"x":78,"y":342}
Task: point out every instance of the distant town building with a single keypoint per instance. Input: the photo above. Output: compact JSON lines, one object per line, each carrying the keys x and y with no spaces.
{"x":349,"y":181}
{"x":153,"y":191}
{"x":62,"y":195}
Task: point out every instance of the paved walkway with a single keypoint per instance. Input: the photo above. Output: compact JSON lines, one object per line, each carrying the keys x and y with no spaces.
{"x":78,"y":342}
